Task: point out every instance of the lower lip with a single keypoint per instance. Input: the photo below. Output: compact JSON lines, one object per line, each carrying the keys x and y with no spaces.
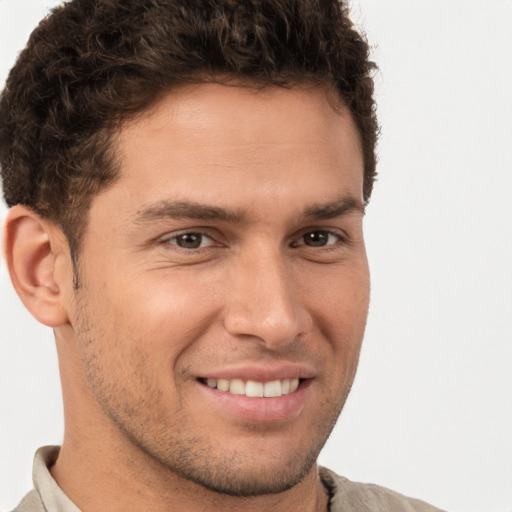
{"x":261,"y":410}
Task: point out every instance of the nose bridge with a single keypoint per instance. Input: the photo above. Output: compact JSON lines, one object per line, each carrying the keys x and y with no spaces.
{"x":265,"y":303}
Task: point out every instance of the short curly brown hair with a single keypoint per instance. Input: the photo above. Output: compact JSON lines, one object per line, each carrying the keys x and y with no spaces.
{"x":91,"y":64}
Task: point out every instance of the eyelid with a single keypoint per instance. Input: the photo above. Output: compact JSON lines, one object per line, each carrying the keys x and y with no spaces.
{"x":168,"y":238}
{"x":339,"y":234}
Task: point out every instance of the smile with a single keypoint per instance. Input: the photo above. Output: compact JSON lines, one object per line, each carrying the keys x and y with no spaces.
{"x":254,"y":389}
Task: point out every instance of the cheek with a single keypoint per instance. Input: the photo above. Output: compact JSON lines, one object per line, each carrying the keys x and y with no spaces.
{"x":340,"y":314}
{"x":142,"y":330}
{"x":340,"y":298}
{"x":157,"y":303}
{"x":127,"y":362}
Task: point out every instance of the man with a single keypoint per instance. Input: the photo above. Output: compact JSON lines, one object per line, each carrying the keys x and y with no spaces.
{"x":186,"y":183}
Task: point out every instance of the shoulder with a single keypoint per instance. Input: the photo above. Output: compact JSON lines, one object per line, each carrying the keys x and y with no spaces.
{"x":348,"y":496}
{"x":30,"y":503}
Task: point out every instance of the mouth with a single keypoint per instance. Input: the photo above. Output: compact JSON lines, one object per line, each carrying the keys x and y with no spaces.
{"x":253,"y":388}
{"x":264,"y":394}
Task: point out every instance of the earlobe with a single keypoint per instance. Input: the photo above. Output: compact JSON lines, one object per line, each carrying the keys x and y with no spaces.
{"x":32,"y":249}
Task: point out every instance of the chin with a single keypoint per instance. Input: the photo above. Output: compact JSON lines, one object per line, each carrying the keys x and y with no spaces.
{"x":248,"y":479}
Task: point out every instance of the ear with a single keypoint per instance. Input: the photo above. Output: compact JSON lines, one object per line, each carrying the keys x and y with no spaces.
{"x":34,"y":247}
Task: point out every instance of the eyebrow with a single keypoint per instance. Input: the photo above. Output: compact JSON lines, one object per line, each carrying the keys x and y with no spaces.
{"x":191,"y":210}
{"x":334,"y":209}
{"x":188,"y":210}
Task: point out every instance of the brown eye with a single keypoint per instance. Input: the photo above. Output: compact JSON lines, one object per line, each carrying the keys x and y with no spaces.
{"x":319,"y":238}
{"x":191,"y":240}
{"x":316,"y":238}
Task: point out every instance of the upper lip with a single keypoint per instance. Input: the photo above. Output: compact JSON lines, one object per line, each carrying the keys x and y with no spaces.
{"x":260,"y":372}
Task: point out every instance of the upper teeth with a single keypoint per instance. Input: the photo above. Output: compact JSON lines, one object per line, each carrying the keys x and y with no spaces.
{"x":253,"y":388}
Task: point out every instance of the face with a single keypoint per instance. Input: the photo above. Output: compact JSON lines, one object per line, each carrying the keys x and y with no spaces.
{"x":224,"y":284}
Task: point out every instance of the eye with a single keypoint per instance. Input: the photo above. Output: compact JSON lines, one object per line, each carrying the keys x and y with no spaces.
{"x":191,"y":240}
{"x":319,"y":238}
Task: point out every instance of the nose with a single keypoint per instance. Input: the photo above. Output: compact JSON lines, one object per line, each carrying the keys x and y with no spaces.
{"x":265,"y":302}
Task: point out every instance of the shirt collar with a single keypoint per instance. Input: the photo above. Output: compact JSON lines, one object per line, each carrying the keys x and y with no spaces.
{"x":51,"y":494}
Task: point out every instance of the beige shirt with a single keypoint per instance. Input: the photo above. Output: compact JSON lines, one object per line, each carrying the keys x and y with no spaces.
{"x":346,"y":496}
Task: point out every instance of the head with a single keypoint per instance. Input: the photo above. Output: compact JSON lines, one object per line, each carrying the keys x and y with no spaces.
{"x":90,"y":66}
{"x":208,"y":164}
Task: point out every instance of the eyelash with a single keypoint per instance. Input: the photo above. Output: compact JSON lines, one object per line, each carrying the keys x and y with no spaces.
{"x":339,"y":239}
{"x":330,"y":234}
{"x":190,"y":233}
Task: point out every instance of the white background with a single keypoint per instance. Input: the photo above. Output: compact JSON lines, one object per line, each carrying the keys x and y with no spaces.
{"x":430,"y":414}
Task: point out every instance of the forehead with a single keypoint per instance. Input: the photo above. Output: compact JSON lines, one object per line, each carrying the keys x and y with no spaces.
{"x":219,"y":142}
{"x":245,"y":114}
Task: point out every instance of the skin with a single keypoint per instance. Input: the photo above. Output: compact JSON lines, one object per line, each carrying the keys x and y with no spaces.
{"x":276,"y":169}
